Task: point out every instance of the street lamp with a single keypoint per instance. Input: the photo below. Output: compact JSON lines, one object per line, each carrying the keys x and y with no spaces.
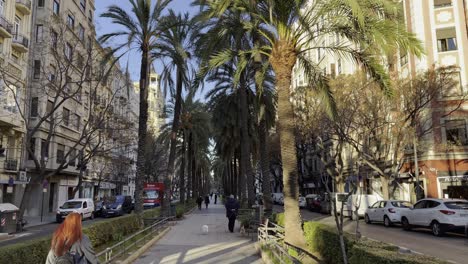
{"x":45,"y":183}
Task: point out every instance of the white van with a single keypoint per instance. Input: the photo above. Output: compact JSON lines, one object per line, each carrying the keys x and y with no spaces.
{"x":360,"y":202}
{"x":84,"y":207}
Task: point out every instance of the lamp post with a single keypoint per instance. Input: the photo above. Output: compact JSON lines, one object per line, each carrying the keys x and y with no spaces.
{"x":44,"y":190}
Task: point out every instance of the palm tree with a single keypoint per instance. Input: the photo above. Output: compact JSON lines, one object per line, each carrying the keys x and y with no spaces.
{"x":139,"y":31}
{"x":372,"y":30}
{"x":174,"y":47}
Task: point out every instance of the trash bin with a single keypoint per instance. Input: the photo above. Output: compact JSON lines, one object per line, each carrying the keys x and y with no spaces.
{"x":8,"y":218}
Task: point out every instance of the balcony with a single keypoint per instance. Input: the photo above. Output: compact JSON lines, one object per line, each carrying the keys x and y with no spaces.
{"x":20,"y":43}
{"x":24,"y":6}
{"x":11,"y":165}
{"x":5,"y":28}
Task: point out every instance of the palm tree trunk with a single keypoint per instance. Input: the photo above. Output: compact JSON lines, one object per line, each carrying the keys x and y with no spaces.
{"x":172,"y":152}
{"x":142,"y":124}
{"x":265,"y":168}
{"x":283,"y":59}
{"x":189,"y":168}
{"x":182,"y":170}
{"x":245,"y":148}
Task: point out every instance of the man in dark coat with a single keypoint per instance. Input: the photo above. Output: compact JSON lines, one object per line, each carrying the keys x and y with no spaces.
{"x":216,"y":198}
{"x":232,"y":207}
{"x":199,"y":202}
{"x":207,"y":201}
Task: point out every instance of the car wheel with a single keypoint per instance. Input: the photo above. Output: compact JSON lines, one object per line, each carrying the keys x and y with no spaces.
{"x":367,"y":219}
{"x":437,"y":229}
{"x":405,"y":223}
{"x":387,"y":222}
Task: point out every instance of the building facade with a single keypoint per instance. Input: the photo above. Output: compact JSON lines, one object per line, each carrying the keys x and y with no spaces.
{"x":15,"y":29}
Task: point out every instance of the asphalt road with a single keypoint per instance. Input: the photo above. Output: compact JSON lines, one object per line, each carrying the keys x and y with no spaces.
{"x":452,"y":247}
{"x":36,"y":232}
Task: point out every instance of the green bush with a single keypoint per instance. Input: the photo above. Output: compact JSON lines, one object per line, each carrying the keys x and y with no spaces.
{"x":30,"y":252}
{"x":279,"y":218}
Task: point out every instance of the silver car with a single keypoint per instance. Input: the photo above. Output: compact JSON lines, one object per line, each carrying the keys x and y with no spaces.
{"x":387,"y":212}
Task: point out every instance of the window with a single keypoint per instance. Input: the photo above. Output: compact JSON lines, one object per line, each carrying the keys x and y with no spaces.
{"x":49,"y":107}
{"x":90,"y":43}
{"x":455,"y":131}
{"x":447,"y":44}
{"x":37,"y":69}
{"x":52,"y":74}
{"x":34,"y":107}
{"x":60,"y":154}
{"x":39,"y":33}
{"x":432,"y":204}
{"x":72,"y":157}
{"x":420,"y":205}
{"x":77,"y":120}
{"x":86,"y":99}
{"x":442,"y":3}
{"x":66,"y":116}
{"x":81,"y":32}
{"x":44,"y":149}
{"x":56,"y":7}
{"x":83,"y":5}
{"x":79,"y":61}
{"x":40,"y":3}
{"x":53,"y":38}
{"x":90,"y":16}
{"x":2,"y":7}
{"x":32,"y":147}
{"x":71,"y":21}
{"x":68,"y":51}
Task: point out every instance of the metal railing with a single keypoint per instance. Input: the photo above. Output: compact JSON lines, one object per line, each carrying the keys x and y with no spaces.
{"x":20,"y":39}
{"x":123,"y":247}
{"x":5,"y":24}
{"x":271,"y":235}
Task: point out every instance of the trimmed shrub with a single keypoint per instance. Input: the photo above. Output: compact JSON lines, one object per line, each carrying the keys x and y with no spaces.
{"x":30,"y":252}
{"x":279,"y":218}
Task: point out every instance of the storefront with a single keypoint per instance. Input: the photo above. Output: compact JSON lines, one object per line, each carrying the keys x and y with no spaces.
{"x":453,"y":186}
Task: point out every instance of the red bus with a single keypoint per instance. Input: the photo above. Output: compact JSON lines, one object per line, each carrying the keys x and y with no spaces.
{"x":152,"y":194}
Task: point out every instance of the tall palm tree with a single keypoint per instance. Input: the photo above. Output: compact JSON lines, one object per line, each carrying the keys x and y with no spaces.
{"x":371,"y":29}
{"x":139,"y":31}
{"x":174,"y":47}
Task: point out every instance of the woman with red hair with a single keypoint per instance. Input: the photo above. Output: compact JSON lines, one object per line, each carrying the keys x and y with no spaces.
{"x":70,"y":245}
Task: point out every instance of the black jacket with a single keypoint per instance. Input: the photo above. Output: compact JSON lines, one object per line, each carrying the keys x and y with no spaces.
{"x":232,"y":207}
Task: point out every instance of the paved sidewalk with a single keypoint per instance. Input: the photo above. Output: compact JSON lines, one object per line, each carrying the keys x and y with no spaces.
{"x":186,"y":243}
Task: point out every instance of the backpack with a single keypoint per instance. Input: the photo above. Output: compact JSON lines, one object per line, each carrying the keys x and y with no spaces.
{"x":71,"y":258}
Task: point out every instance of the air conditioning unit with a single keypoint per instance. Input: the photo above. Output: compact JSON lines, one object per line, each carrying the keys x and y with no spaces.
{"x":22,"y":176}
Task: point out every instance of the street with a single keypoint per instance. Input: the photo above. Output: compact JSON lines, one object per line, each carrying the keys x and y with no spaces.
{"x":36,"y":232}
{"x":452,"y":247}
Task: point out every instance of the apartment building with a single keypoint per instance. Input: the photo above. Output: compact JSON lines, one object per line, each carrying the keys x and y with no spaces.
{"x":15,"y":28}
{"x":442,"y":27}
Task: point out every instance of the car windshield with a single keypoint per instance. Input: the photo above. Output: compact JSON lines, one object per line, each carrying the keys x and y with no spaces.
{"x":457,"y":205}
{"x":402,"y":204}
{"x":150,"y":194}
{"x":71,"y":205}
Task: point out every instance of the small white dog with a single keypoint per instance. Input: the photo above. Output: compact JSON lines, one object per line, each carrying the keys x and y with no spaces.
{"x":205,"y":229}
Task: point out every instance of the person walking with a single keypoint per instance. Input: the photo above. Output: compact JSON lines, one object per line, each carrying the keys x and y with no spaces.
{"x":199,"y":202}
{"x":232,"y":208}
{"x":69,"y":244}
{"x":207,"y":201}
{"x":216,"y":198}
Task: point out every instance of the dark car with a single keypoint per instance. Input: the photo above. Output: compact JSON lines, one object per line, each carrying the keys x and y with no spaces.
{"x":98,"y":208}
{"x":313,"y":202}
{"x":118,"y":205}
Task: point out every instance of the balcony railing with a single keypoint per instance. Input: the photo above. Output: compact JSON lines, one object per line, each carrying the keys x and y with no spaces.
{"x":22,"y":40}
{"x":11,"y":165}
{"x":24,"y":6}
{"x":7,"y":26}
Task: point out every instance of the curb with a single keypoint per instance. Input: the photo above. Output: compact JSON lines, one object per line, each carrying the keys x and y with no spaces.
{"x":144,"y":248}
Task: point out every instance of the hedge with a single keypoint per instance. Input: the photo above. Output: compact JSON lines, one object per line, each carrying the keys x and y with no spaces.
{"x":100,"y":234}
{"x":323,"y":242}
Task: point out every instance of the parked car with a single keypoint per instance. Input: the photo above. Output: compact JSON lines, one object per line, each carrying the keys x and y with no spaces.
{"x":440,"y":215}
{"x":118,"y":205}
{"x":387,"y":212}
{"x":359,"y":203}
{"x":98,"y":208}
{"x":84,"y":207}
{"x":302,"y":202}
{"x":276,"y":197}
{"x":313,"y":202}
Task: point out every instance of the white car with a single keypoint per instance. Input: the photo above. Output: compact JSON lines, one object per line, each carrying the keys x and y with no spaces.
{"x":302,"y":202}
{"x":441,"y":215}
{"x":276,"y":197}
{"x":84,"y":207}
{"x":388,"y":212}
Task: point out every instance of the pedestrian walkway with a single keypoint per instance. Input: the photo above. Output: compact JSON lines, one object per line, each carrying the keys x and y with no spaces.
{"x":186,"y":243}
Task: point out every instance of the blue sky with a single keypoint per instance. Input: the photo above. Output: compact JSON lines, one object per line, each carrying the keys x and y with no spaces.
{"x":104,"y":25}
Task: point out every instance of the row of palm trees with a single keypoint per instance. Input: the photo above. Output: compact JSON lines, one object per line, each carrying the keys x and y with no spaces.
{"x":248,"y":49}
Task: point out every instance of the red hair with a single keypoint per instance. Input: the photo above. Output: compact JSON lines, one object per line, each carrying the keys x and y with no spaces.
{"x":67,"y":234}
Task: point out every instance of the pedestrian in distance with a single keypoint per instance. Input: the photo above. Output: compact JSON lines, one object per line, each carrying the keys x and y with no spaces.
{"x":207,"y":201}
{"x":69,"y":244}
{"x":199,"y":202}
{"x":232,"y":208}
{"x":216,"y":198}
